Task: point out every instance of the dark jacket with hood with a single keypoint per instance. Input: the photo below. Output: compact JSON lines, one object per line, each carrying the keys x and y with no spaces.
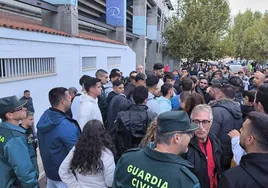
{"x":128,"y":90}
{"x":251,"y":173}
{"x":226,"y":117}
{"x":245,"y":110}
{"x":57,"y":134}
{"x":117,"y":104}
{"x":29,"y":104}
{"x":102,"y":102}
{"x":131,"y":127}
{"x":111,"y":95}
{"x":196,"y":157}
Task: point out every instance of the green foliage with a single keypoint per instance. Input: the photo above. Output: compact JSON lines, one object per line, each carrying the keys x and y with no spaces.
{"x":256,"y":40}
{"x":197,"y":31}
{"x":248,"y":36}
{"x":241,"y":23}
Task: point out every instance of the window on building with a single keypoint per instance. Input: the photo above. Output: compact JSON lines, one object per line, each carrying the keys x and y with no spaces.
{"x":113,"y":61}
{"x":23,"y":67}
{"x":89,"y":63}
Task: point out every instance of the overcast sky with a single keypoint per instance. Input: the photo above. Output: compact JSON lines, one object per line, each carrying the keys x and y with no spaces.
{"x":243,"y":5}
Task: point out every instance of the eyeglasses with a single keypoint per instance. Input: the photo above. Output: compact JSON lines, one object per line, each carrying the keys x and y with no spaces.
{"x":205,"y":123}
{"x":190,"y":133}
{"x":17,"y":109}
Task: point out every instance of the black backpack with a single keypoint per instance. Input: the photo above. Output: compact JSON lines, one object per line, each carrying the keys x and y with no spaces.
{"x":129,"y":131}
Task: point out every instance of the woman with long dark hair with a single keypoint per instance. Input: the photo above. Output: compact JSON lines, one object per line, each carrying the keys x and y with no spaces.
{"x":193,"y":100}
{"x":91,"y":161}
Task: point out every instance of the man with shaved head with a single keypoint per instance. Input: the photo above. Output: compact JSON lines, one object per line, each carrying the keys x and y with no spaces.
{"x":259,"y":78}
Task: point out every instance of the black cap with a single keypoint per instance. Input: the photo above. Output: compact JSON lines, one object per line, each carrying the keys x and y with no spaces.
{"x":216,"y":73}
{"x":10,"y":103}
{"x":236,"y":81}
{"x":175,"y":121}
{"x":158,"y":66}
{"x":218,"y":82}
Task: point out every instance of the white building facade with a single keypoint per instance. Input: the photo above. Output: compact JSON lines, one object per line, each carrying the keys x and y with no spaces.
{"x":39,"y":62}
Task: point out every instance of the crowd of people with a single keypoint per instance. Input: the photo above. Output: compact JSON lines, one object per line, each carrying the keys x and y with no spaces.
{"x":199,"y":126}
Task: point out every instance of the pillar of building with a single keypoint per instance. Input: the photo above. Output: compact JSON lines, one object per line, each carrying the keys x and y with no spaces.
{"x":160,"y":30}
{"x":139,"y":28}
{"x":116,"y":14}
{"x":65,"y":20}
{"x":151,"y":58}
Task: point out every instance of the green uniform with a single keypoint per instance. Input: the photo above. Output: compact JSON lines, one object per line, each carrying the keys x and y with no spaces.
{"x":17,"y":158}
{"x":147,"y":168}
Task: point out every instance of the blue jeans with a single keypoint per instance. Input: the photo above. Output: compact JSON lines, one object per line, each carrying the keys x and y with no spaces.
{"x":55,"y":184}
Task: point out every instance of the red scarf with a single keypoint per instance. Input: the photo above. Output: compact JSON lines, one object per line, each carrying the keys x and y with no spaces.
{"x":208,"y":152}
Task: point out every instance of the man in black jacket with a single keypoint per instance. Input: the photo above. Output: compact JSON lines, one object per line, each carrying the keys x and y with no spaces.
{"x":205,"y":151}
{"x":202,"y":86}
{"x":131,"y":125}
{"x":28,"y":100}
{"x":102,"y":102}
{"x":117,"y":104}
{"x":253,"y":168}
{"x":226,"y":116}
{"x":118,"y":88}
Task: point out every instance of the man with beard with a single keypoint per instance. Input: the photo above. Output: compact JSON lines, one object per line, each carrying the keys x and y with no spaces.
{"x":202,"y":87}
{"x":161,"y":166}
{"x":159,"y":73}
{"x":226,"y":72}
{"x":214,"y":68}
{"x":226,"y":116}
{"x":260,"y":105}
{"x":259,"y":78}
{"x":57,"y":133}
{"x":253,"y":168}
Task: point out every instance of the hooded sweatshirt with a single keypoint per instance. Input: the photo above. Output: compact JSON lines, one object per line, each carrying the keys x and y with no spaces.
{"x":226,"y":117}
{"x":164,"y":104}
{"x":152,"y":104}
{"x":57,"y":134}
{"x":252,"y":172}
{"x":108,"y":88}
{"x":88,"y":110}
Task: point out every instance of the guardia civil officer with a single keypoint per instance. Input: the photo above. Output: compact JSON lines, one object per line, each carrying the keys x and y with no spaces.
{"x":16,"y":153}
{"x":160,"y":166}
